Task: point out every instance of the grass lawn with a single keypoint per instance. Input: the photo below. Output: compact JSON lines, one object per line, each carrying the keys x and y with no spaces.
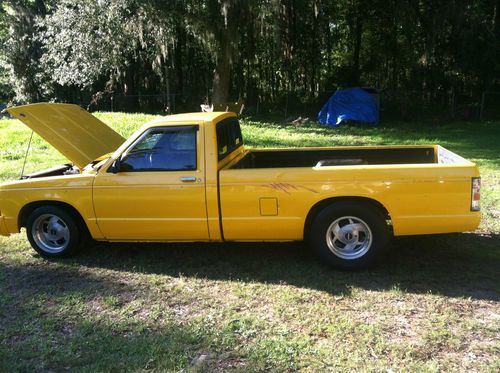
{"x":434,"y":305}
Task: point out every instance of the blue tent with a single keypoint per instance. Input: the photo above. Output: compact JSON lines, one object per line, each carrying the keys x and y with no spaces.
{"x":349,"y":104}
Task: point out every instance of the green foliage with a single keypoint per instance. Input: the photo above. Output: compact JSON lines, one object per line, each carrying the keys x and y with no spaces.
{"x":5,"y":87}
{"x":86,"y":40}
{"x":21,"y":49}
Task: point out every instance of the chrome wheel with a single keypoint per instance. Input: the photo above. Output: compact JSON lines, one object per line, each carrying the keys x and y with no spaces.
{"x":50,"y":233}
{"x":349,"y":237}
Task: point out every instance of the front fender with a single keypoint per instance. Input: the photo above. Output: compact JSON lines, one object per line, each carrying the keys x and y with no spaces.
{"x":71,"y":190}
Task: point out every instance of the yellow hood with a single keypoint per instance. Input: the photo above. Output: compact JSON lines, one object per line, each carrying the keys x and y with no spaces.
{"x":76,"y":133}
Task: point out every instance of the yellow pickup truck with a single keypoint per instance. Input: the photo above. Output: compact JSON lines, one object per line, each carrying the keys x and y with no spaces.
{"x":189,"y":177}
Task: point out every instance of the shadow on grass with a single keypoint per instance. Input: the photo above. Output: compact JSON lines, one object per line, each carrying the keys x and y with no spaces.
{"x":458,"y":265}
{"x":101,"y":346}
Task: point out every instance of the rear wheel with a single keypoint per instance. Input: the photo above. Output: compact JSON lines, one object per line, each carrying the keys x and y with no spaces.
{"x":350,"y":235}
{"x":53,"y":232}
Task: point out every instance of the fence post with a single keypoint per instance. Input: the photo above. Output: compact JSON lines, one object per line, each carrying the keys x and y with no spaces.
{"x":286,"y":106}
{"x":453,"y":103}
{"x":481,"y":110}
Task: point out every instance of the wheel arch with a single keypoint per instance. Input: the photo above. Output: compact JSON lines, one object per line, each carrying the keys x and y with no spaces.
{"x":319,"y":206}
{"x":27,"y":209}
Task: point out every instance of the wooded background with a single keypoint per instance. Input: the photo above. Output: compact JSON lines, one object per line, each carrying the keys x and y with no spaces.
{"x":428,"y":58}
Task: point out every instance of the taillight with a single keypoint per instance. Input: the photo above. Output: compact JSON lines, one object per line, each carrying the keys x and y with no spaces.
{"x":476,"y":194}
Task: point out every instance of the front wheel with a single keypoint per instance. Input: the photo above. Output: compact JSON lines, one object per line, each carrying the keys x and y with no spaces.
{"x":53,"y":232}
{"x":350,"y":235}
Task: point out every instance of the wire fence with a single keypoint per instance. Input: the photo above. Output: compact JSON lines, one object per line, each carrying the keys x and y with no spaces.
{"x":149,"y":103}
{"x":393,"y":104}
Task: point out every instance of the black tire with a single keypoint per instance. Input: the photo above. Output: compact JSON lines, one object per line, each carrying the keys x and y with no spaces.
{"x":362,"y":230}
{"x":54,"y":232}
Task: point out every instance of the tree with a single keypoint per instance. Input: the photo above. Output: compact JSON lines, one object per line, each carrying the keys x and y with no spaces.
{"x":274,"y":53}
{"x":22,"y":49}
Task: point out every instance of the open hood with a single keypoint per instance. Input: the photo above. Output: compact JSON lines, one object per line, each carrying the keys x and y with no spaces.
{"x":76,"y":133}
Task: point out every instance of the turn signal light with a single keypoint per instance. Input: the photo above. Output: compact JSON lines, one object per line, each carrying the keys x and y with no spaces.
{"x":476,"y":194}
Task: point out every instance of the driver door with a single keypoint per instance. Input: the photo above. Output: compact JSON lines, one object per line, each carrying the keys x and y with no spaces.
{"x":157,"y":190}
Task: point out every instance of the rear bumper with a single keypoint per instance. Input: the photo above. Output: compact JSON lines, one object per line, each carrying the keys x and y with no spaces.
{"x":432,"y":224}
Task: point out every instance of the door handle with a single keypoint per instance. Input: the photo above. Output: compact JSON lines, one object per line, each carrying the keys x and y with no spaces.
{"x":186,"y":179}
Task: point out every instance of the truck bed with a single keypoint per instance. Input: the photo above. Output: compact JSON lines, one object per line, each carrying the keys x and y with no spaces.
{"x":425,"y":189}
{"x":336,"y":157}
{"x":327,"y":157}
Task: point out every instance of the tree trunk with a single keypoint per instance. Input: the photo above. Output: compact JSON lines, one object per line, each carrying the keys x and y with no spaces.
{"x":358,"y":32}
{"x":180,"y":46}
{"x":222,"y":73}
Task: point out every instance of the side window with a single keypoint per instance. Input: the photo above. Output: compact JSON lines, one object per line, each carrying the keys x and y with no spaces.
{"x":163,"y":149}
{"x":228,"y":136}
